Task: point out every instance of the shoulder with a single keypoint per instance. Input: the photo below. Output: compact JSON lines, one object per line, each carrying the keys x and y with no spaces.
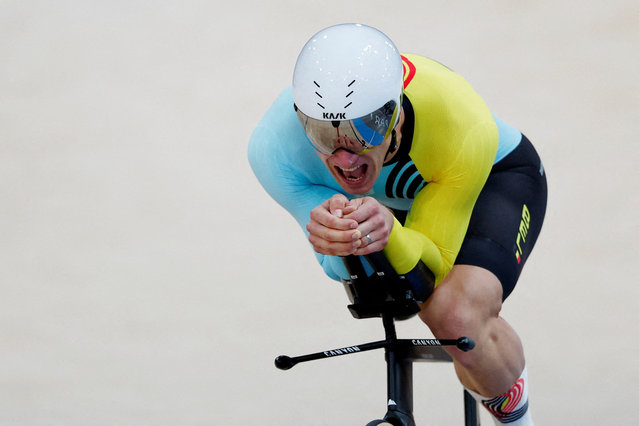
{"x":278,"y":149}
{"x":280,"y":116}
{"x":277,"y":130}
{"x":451,"y":118}
{"x":428,"y":81}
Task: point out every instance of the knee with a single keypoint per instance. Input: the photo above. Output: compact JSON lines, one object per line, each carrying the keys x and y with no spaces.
{"x":464,"y":302}
{"x":449,"y":316}
{"x":451,"y":320}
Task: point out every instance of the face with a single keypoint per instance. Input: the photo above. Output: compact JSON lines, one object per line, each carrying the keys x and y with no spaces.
{"x":356,"y":173}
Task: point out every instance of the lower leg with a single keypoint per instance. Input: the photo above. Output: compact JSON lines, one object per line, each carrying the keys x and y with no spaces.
{"x":467,"y":303}
{"x":511,"y":405}
{"x":496,"y":362}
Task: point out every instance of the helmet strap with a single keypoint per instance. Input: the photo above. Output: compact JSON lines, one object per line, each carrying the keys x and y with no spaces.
{"x":393,"y":145}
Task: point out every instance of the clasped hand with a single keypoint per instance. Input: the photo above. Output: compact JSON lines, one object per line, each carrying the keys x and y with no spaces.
{"x":340,"y":227}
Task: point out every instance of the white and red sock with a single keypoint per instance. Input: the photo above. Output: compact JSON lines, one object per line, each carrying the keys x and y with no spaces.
{"x":510,"y":408}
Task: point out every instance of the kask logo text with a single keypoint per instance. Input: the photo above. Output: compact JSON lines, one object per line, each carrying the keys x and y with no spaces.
{"x":334,"y":116}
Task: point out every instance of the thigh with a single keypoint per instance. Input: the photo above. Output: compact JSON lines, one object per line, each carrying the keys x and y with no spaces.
{"x":507,"y":217}
{"x":463,"y":304}
{"x":469,"y":294}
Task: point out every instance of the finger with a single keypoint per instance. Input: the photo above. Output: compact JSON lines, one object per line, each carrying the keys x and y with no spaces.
{"x":375,"y":246}
{"x":364,"y":208}
{"x":334,"y":249}
{"x":352,"y":206}
{"x":331,"y":235}
{"x":325,"y":218}
{"x":323,"y":246}
{"x":374,"y":233}
{"x":367,"y":240}
{"x":371,"y":239}
{"x":373,"y":217}
{"x":336,"y":204}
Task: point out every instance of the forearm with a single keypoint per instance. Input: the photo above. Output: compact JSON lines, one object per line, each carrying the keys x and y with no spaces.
{"x":406,"y":247}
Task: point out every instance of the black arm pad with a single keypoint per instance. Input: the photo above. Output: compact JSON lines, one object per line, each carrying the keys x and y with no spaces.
{"x":421,"y":280}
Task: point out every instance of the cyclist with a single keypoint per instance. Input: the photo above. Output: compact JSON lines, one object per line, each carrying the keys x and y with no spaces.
{"x":371,"y":150}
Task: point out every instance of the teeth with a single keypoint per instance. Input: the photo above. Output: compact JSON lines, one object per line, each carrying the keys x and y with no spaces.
{"x":351,"y":169}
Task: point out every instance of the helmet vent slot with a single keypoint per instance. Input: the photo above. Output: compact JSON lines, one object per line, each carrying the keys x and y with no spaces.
{"x":349,"y":93}
{"x":320,"y":96}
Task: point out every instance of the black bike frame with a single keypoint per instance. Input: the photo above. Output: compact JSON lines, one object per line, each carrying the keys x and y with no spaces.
{"x":371,"y":298}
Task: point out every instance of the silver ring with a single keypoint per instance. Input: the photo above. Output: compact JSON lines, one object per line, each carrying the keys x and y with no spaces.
{"x":369,"y":240}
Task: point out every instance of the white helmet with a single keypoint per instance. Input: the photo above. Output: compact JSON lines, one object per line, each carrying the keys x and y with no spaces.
{"x":347,"y":85}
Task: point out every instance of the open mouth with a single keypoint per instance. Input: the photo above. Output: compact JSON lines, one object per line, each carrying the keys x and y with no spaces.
{"x":353,"y":174}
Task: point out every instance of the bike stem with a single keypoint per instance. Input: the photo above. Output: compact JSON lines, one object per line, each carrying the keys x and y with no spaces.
{"x":399,"y":377}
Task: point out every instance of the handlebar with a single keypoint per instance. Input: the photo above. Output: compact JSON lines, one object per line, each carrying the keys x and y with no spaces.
{"x":284,"y":362}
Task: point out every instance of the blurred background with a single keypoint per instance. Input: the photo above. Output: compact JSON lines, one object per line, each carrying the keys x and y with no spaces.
{"x":147,"y":279}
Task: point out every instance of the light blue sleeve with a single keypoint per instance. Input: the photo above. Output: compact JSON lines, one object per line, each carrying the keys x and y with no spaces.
{"x":286,"y":165}
{"x":509,"y":138}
